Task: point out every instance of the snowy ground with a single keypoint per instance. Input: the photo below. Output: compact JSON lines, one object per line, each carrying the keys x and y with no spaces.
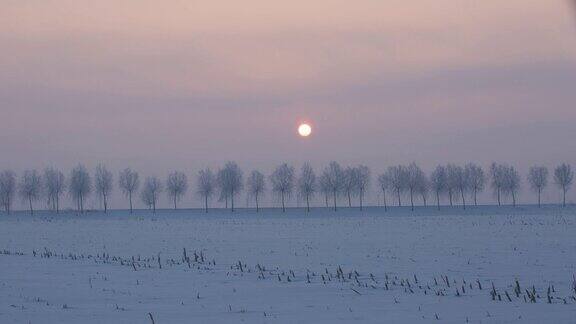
{"x":370,"y":267}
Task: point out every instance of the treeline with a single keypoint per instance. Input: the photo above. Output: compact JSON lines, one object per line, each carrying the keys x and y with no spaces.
{"x":454,"y":183}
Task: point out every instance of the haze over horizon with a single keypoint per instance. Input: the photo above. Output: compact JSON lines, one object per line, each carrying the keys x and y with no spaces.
{"x":177,"y":85}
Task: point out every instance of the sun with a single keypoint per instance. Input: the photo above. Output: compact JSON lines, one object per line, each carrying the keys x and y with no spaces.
{"x":304,"y":130}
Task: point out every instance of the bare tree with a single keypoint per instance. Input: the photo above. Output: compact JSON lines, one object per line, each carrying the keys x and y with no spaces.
{"x":230,"y":182}
{"x":439,"y":182}
{"x":398,"y":176}
{"x":476,"y":180}
{"x":497,"y":179}
{"x":206,"y":183}
{"x":350,"y":179}
{"x":307,"y":184}
{"x":452,"y":174}
{"x":30,"y":187}
{"x":422,"y":186}
{"x":7,"y":189}
{"x":80,"y":186}
{"x":511,"y":183}
{"x":176,"y":186}
{"x":282,"y":180}
{"x":384,"y":183}
{"x":103,"y":184}
{"x":324,"y":184}
{"x":413,"y":180}
{"x":334,"y":177}
{"x":221,"y":179}
{"x":563,"y":177}
{"x":147,"y":198}
{"x":151,"y":192}
{"x":129,"y":183}
{"x":256,"y":186}
{"x":54,"y":186}
{"x":235,"y":184}
{"x":461,"y":181}
{"x":362,"y":182}
{"x":538,"y":179}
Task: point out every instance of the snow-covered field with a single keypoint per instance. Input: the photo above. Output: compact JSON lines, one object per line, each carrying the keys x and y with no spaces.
{"x":325,"y":267}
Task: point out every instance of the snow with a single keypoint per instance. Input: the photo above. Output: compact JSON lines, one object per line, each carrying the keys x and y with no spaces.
{"x":72,"y":268}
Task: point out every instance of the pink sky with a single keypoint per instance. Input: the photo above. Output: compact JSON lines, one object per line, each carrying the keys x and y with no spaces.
{"x":162,"y":85}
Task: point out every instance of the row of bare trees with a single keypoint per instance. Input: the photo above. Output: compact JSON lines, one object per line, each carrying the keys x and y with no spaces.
{"x":452,"y":182}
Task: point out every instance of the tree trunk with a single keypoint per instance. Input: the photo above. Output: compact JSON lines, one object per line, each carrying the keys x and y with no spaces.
{"x":57,"y":204}
{"x":326,"y":198}
{"x":424,"y":200}
{"x":361,"y":196}
{"x":399,"y":200}
{"x":450,"y":196}
{"x":513,"y":199}
{"x":283,"y":206}
{"x":411,"y":199}
{"x":334,"y":193}
{"x":175,"y":202}
{"x":232,"y":200}
{"x":30,"y":202}
{"x":539,"y":194}
{"x":81,"y":204}
{"x":206,"y":203}
{"x":438,"y":199}
{"x":130,"y":198}
{"x":105,"y":204}
{"x":257,"y":205}
{"x":384,"y":197}
{"x":307,"y":202}
{"x":475,"y":195}
{"x":564,"y":197}
{"x":349,"y":199}
{"x":498,"y":192}
{"x":463,"y":198}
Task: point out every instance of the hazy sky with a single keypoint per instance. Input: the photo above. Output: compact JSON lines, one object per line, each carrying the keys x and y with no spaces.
{"x":162,"y":85}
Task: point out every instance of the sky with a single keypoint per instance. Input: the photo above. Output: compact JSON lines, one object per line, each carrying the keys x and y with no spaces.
{"x":181,"y":85}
